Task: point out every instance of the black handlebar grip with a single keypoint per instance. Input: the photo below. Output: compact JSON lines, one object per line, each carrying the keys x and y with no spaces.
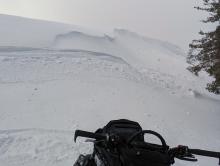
{"x":205,"y":153}
{"x":81,"y":133}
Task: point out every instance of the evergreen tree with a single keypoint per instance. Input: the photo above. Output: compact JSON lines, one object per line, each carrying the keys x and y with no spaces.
{"x":204,"y":54}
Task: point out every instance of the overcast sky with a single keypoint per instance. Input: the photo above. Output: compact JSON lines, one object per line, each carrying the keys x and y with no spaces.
{"x":171,"y":20}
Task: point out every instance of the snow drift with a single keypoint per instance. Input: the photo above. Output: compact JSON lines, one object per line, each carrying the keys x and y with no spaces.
{"x":126,"y":44}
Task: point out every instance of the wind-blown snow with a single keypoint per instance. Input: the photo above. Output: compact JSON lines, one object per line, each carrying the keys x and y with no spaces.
{"x":129,"y":45}
{"x":85,"y":80}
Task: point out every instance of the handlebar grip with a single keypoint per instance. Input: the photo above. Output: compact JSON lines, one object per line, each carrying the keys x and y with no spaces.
{"x":205,"y":153}
{"x":184,"y":151}
{"x":81,"y":133}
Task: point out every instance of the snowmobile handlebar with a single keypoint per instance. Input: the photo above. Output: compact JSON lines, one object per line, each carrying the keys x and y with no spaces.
{"x":98,"y":136}
{"x":181,"y":152}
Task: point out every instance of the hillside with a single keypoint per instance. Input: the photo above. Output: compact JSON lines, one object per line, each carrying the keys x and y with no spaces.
{"x":25,"y":32}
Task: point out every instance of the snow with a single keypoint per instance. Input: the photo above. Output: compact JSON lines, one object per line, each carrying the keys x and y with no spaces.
{"x":20,"y":31}
{"x":85,"y":80}
{"x":156,"y":59}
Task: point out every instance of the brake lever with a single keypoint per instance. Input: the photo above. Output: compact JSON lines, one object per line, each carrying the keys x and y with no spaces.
{"x":187,"y":157}
{"x":86,"y":134}
{"x":182,"y":152}
{"x":193,"y":159}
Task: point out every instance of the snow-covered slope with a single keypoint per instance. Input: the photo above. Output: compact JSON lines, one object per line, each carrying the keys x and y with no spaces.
{"x":84,"y":81}
{"x":19,"y":31}
{"x":65,"y":90}
{"x":164,"y":63}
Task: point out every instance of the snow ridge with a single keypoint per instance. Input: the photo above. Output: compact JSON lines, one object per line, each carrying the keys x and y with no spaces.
{"x":123,"y":42}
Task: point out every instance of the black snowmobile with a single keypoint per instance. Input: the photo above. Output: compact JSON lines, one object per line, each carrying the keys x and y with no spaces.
{"x":121,"y":143}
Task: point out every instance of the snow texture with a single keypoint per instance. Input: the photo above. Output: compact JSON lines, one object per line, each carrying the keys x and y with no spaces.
{"x":70,"y":79}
